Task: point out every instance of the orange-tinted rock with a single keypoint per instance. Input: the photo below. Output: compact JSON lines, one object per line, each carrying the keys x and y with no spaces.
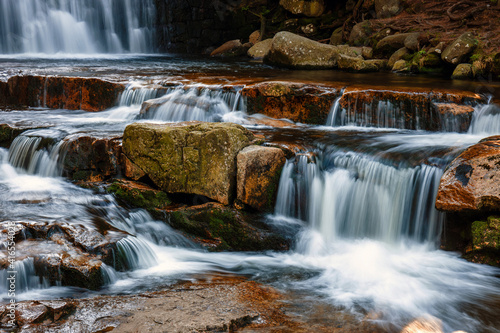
{"x":232,"y":47}
{"x":258,"y":176}
{"x":297,"y":102}
{"x":92,"y":158}
{"x":54,"y":92}
{"x":472,"y":181}
{"x":131,"y":170}
{"x":31,"y":313}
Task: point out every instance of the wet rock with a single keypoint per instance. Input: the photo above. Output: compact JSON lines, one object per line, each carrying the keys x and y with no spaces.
{"x":454,"y":114}
{"x":470,"y":183}
{"x":93,"y":158}
{"x":31,"y":313}
{"x":59,"y":309}
{"x":356,"y":64}
{"x":139,"y":195}
{"x":427,"y":324}
{"x":221,"y":228}
{"x":230,"y":48}
{"x":398,"y":55}
{"x":260,"y":49}
{"x":336,"y":37}
{"x":462,"y":72}
{"x":400,"y":66}
{"x":9,"y":132}
{"x":392,"y":43}
{"x":294,"y":51}
{"x":131,"y":170}
{"x":312,"y":8}
{"x":387,"y":8}
{"x":486,"y":234}
{"x":254,"y":37}
{"x":459,"y":49}
{"x":297,"y":102}
{"x":193,"y":157}
{"x":259,"y":170}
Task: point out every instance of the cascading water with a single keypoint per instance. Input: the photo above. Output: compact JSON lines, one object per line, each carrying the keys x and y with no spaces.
{"x":486,"y":120}
{"x":77,"y":27}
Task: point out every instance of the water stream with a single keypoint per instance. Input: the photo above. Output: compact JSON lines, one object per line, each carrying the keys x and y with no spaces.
{"x":359,"y":204}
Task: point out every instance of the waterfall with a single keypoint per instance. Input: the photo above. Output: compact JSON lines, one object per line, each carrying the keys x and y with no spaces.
{"x":350,"y":195}
{"x":486,"y":120}
{"x":203,"y":104}
{"x":77,"y":27}
{"x":26,"y":279}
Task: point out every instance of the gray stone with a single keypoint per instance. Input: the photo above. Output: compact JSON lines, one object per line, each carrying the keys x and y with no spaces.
{"x":459,"y":49}
{"x":261,"y":49}
{"x":462,"y":72}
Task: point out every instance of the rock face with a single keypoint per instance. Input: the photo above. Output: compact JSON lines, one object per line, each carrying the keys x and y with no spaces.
{"x":193,"y":157}
{"x":221,"y":228}
{"x":459,"y":49}
{"x":471,"y":182}
{"x":294,"y":51}
{"x":259,"y":170}
{"x":311,"y":8}
{"x":260,"y":49}
{"x":295,"y":101}
{"x":387,"y":8}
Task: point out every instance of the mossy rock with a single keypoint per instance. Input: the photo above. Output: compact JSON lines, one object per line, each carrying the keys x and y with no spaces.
{"x":485,"y":242}
{"x":222,"y":228}
{"x":139,"y":195}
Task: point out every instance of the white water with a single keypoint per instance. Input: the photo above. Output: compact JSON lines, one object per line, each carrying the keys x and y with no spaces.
{"x":77,"y":27}
{"x":486,"y":120}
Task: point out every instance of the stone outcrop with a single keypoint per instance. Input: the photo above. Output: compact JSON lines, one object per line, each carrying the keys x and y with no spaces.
{"x":54,"y":92}
{"x":89,"y":157}
{"x":259,"y":170}
{"x":470,"y":182}
{"x":297,"y":102}
{"x":221,"y":228}
{"x":459,"y":49}
{"x":294,"y":51}
{"x":69,"y":254}
{"x":260,"y":49}
{"x":196,"y":158}
{"x":311,"y":8}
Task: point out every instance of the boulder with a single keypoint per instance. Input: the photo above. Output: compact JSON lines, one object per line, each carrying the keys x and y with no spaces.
{"x":360,"y":33}
{"x":294,"y":51}
{"x":230,"y":48}
{"x":392,"y":43}
{"x":221,"y":228}
{"x":486,"y":234}
{"x":462,"y":72}
{"x":336,"y":37}
{"x":311,"y":8}
{"x":254,"y":37}
{"x":367,"y":52}
{"x":387,"y":8}
{"x":139,"y":195}
{"x":412,"y":42}
{"x":400,"y":66}
{"x":459,"y":49}
{"x":356,"y":64}
{"x":259,"y":170}
{"x":398,"y":55}
{"x":193,"y":157}
{"x":471,"y":182}
{"x":260,"y":49}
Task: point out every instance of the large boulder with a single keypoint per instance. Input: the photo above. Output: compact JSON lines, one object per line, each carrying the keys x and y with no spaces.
{"x":260,"y":49}
{"x":471,"y":182}
{"x":311,"y":8}
{"x":459,"y":49}
{"x":193,"y":157}
{"x":387,"y":8}
{"x":259,"y":170}
{"x":294,"y":51}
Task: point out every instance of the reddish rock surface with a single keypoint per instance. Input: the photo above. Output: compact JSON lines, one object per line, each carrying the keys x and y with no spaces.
{"x":259,"y":169}
{"x":472,"y":181}
{"x":55,"y":92}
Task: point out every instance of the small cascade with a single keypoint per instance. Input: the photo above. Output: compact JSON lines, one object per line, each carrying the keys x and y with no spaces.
{"x":25,"y":277}
{"x":136,"y":253}
{"x":486,"y":120}
{"x":203,"y":104}
{"x":347,"y":195}
{"x":334,"y":112}
{"x":136,"y":94}
{"x":77,"y":27}
{"x":29,"y":154}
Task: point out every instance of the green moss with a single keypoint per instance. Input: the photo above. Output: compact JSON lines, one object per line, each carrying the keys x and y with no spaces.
{"x":486,"y":234}
{"x":143,"y":198}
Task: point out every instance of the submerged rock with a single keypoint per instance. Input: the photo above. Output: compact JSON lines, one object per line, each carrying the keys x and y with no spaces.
{"x":193,"y":157}
{"x":259,"y":170}
{"x":472,"y":180}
